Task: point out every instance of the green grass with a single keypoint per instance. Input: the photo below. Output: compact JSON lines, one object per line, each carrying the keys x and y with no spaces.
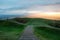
{"x":45,"y":33}
{"x":37,"y":22}
{"x":10,"y":30}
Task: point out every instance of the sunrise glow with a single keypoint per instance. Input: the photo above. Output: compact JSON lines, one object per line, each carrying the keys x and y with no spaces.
{"x":50,"y":13}
{"x":31,"y":8}
{"x":46,"y":15}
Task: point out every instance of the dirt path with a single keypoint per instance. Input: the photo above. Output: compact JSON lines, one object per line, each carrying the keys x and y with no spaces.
{"x":28,"y":34}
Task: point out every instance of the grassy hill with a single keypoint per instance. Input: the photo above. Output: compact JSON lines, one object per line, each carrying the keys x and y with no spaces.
{"x":10,"y":30}
{"x":40,"y":21}
{"x":45,"y":33}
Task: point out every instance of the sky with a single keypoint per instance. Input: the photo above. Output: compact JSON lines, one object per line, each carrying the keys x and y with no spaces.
{"x":29,"y":7}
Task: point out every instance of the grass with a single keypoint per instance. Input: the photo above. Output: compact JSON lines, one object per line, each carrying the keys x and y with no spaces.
{"x":22,"y":20}
{"x":45,"y":33}
{"x":37,"y":22}
{"x":10,"y":30}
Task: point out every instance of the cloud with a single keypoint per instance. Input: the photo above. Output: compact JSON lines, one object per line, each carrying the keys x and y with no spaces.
{"x":33,"y":9}
{"x":7,"y":3}
{"x":48,"y":15}
{"x":46,"y":8}
{"x":29,"y":8}
{"x":18,"y":12}
{"x":45,"y":11}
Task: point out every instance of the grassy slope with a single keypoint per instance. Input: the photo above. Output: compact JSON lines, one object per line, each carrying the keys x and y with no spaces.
{"x":39,"y":22}
{"x":9,"y":30}
{"x":45,"y":33}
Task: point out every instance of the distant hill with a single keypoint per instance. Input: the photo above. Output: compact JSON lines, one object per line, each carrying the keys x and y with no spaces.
{"x":2,"y":17}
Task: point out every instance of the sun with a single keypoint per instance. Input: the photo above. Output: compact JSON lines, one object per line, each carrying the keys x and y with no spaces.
{"x":50,"y":13}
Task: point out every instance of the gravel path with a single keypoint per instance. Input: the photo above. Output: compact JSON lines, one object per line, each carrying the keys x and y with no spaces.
{"x":28,"y":34}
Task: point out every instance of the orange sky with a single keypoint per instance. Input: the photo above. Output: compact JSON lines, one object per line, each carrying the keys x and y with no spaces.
{"x":45,"y":11}
{"x":47,"y":15}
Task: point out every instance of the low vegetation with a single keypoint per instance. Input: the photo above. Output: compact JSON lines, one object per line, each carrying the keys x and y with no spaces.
{"x":10,"y":30}
{"x":22,"y":20}
{"x":40,"y":21}
{"x":45,"y":33}
{"x":55,"y":23}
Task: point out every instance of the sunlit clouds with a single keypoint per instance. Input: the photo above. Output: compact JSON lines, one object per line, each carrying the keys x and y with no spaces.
{"x":45,"y":11}
{"x":46,"y":15}
{"x":49,"y":9}
{"x":17,"y":12}
{"x":39,"y":11}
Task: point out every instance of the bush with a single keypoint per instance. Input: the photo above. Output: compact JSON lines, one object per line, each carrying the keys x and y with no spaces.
{"x":55,"y":24}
